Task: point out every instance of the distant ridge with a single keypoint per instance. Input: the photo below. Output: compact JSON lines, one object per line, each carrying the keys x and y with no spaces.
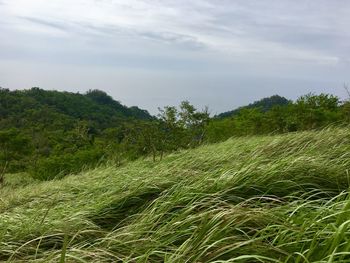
{"x":264,"y":104}
{"x":37,"y":106}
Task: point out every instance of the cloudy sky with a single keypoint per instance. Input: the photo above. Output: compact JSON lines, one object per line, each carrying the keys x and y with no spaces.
{"x":150,"y":53}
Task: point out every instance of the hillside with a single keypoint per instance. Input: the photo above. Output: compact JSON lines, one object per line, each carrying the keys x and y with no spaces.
{"x":264,"y":105}
{"x":51,"y":134}
{"x":58,"y":131}
{"x":278,"y":198}
{"x":55,"y":109}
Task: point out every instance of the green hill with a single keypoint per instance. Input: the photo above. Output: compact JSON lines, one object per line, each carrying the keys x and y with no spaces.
{"x":278,"y":198}
{"x":264,"y":105}
{"x":54,"y":109}
{"x":58,"y":131}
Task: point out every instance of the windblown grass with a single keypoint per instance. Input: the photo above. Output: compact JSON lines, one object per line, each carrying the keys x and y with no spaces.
{"x":254,"y":199}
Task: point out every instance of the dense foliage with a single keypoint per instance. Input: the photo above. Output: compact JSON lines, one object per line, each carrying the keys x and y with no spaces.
{"x":50,"y":134}
{"x":264,"y":105}
{"x":41,"y":129}
{"x":308,"y":112}
{"x":273,"y":199}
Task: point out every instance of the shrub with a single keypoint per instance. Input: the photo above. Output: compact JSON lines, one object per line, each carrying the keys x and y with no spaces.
{"x":55,"y":167}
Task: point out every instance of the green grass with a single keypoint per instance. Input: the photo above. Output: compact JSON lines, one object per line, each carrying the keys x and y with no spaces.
{"x":17,"y":180}
{"x":253,"y":199}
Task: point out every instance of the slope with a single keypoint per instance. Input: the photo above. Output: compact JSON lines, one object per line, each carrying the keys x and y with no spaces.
{"x":264,"y":105}
{"x":51,"y":109}
{"x":38,"y":127}
{"x":253,"y":199}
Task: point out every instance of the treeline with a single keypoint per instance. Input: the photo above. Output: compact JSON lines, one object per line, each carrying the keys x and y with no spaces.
{"x":263,"y":105}
{"x":306,"y":113}
{"x":50,"y":134}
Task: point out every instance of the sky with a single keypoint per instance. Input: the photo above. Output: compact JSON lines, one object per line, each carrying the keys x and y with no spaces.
{"x":151,"y":53}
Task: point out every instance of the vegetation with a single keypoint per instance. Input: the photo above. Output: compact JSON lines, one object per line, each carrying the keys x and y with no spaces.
{"x":73,"y":187}
{"x":264,"y":105}
{"x":42,"y":129}
{"x":50,"y":134}
{"x":307,"y":113}
{"x":281,"y":198}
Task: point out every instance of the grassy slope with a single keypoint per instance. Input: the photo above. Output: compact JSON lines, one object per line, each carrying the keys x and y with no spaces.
{"x":269,"y":199}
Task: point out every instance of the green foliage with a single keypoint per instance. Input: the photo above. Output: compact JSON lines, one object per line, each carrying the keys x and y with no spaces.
{"x":282,"y":199}
{"x":308,"y":112}
{"x":315,"y":111}
{"x":185,"y":127}
{"x":264,"y":105}
{"x":44,"y":128}
{"x":53,"y":109}
{"x":56,"y":167}
{"x":17,"y":180}
{"x":45,"y":132}
{"x":13,"y":145}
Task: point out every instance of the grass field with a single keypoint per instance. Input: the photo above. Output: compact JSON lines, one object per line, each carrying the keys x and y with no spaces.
{"x":253,"y":199}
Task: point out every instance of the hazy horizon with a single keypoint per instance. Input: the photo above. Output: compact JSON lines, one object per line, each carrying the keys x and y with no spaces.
{"x":222,"y":54}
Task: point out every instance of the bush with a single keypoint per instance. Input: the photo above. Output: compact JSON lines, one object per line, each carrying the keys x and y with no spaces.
{"x":55,"y":167}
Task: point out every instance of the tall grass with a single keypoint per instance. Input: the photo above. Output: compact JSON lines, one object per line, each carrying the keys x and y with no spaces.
{"x":255,"y":199}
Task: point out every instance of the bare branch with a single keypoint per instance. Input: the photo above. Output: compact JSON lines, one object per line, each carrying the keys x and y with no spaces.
{"x":346,"y":87}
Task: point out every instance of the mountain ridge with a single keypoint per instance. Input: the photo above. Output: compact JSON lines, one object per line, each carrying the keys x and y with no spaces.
{"x":95,"y":106}
{"x":264,"y":104}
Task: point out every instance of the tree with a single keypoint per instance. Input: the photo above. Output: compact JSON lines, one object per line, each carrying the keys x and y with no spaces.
{"x":143,"y":138}
{"x":171,"y":128}
{"x":194,"y":122}
{"x":13,"y":146}
{"x":317,"y":110}
{"x":185,"y":127}
{"x":169,"y":115}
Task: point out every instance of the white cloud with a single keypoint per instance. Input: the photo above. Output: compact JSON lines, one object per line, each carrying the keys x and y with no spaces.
{"x":240,"y":28}
{"x":292,"y":38}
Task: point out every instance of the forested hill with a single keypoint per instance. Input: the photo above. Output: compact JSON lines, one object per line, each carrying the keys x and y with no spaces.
{"x":55,"y":110}
{"x":264,"y":105}
{"x":50,"y":134}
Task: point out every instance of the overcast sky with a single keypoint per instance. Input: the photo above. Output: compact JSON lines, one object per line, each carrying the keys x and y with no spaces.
{"x":150,"y":53}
